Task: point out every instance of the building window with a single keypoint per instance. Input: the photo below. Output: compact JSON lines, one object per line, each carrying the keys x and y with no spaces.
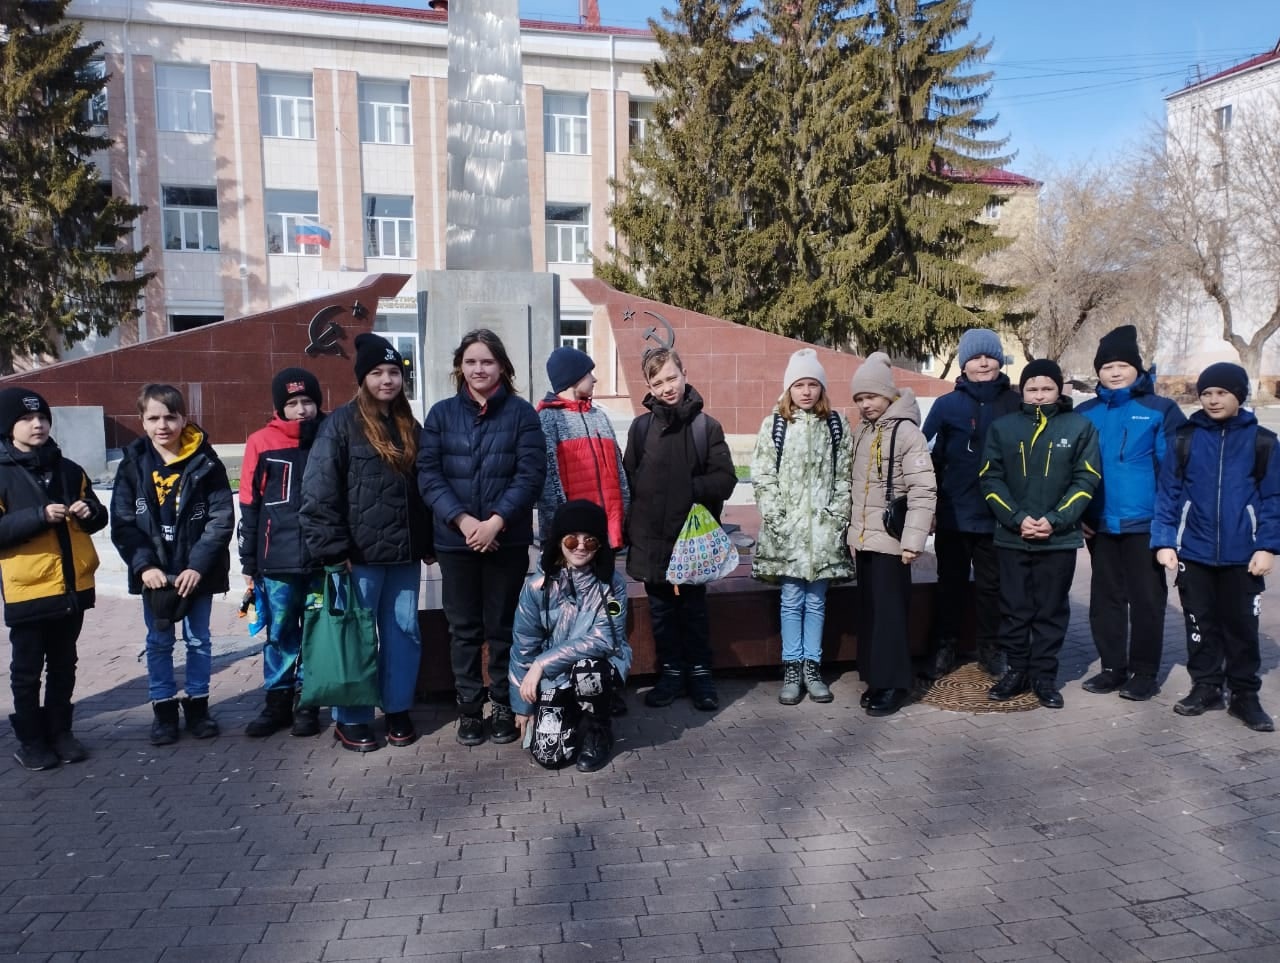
{"x":286,"y":106}
{"x":289,"y":214}
{"x":641,"y":117}
{"x":187,"y":322}
{"x":575,"y":333}
{"x":568,"y":234}
{"x":388,"y":226}
{"x":564,"y":125}
{"x":1222,"y":117}
{"x":384,"y":112}
{"x":992,"y":211}
{"x":190,"y":219}
{"x":95,"y":108}
{"x":401,"y":331}
{"x":1219,"y":173}
{"x":184,"y":99}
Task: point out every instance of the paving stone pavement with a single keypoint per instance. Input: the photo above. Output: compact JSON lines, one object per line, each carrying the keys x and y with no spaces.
{"x":1109,"y":830}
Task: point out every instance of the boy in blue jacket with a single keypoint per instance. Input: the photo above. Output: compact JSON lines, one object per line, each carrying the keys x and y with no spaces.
{"x":1217,"y":524}
{"x":1129,"y":591}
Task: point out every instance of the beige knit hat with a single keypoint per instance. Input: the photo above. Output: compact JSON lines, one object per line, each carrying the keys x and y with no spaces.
{"x":874,"y":376}
{"x":804,"y":364}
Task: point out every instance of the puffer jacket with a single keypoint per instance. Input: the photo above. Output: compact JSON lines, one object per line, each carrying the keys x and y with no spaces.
{"x":956,"y":427}
{"x":482,"y":461}
{"x":1040,"y":462}
{"x":1214,"y":511}
{"x":583,"y":461}
{"x":46,"y":570}
{"x":270,"y":536}
{"x":912,"y":476}
{"x":551,"y":623}
{"x":356,"y":507}
{"x":666,"y":479}
{"x":205,"y":515}
{"x":803,"y":499}
{"x":1135,"y":432}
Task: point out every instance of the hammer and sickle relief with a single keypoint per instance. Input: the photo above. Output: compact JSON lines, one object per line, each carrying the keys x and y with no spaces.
{"x":651,"y":333}
{"x":324,"y":332}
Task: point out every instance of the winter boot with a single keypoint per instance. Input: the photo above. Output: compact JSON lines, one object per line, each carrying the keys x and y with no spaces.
{"x":502,"y":724}
{"x":942,"y":661}
{"x":1246,"y":707}
{"x":597,"y":743}
{"x":791,"y":692}
{"x":58,"y":724}
{"x":702,"y":690}
{"x":33,"y":751}
{"x":669,"y":687}
{"x":276,"y":714}
{"x":813,"y":683}
{"x":992,"y":660}
{"x":164,"y":730}
{"x":199,"y":723}
{"x":306,"y":719}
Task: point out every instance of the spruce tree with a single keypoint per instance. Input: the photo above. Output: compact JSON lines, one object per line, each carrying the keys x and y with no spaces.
{"x":64,"y":270}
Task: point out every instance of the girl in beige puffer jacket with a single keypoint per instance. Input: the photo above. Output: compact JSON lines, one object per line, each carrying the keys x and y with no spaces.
{"x":888,"y":439}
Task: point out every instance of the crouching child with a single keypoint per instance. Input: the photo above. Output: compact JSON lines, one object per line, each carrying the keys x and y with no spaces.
{"x":47,"y":512}
{"x":570,"y":646}
{"x":1217,"y":525}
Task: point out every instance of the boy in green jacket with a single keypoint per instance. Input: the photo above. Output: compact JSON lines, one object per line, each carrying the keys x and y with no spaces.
{"x":1038,"y":476}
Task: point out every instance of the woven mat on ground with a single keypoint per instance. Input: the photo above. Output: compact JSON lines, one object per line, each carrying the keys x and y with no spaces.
{"x":965,"y":690}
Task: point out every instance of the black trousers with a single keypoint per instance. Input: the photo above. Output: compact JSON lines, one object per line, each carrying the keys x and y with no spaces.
{"x":1035,"y":608}
{"x":1128,"y":593}
{"x":479,"y":592}
{"x":1220,"y":605}
{"x":47,"y":646}
{"x":958,"y":552}
{"x":681,"y":626}
{"x":884,"y":599}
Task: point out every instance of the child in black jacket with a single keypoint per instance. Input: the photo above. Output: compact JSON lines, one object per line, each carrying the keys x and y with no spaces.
{"x":171,"y":521}
{"x":47,"y":512}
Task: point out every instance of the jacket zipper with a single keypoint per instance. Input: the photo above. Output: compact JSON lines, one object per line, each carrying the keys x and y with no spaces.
{"x":1047,"y":459}
{"x":1217,"y":534}
{"x":1022,"y":450}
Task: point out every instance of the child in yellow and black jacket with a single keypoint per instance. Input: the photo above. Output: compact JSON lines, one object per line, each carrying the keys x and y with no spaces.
{"x":47,"y":512}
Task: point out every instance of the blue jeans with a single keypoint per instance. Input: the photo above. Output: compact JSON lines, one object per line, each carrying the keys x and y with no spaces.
{"x":284,"y":599}
{"x":391,"y":592}
{"x":195,"y":634}
{"x":804,"y":608}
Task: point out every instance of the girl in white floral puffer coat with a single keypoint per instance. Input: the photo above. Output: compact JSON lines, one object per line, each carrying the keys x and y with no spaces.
{"x":800,"y":471}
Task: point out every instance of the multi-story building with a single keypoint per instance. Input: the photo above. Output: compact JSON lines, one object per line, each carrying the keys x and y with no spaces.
{"x":288,"y":147}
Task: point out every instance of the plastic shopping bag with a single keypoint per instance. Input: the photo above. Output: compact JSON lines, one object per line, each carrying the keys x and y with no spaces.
{"x":703,"y":552}
{"x":339,"y":646}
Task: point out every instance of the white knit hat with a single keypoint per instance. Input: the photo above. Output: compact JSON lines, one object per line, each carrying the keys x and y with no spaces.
{"x":804,"y":364}
{"x":874,"y":376}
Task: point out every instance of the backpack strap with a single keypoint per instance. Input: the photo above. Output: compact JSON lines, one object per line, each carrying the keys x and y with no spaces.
{"x":779,"y":433}
{"x":700,"y":442}
{"x":638,"y":434}
{"x":642,"y":427}
{"x":836,"y":429}
{"x":1264,"y":443}
{"x":893,"y":444}
{"x":1182,"y":447}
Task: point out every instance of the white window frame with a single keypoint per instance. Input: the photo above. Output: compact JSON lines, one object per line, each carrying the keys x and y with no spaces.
{"x":286,"y":221}
{"x":184,"y":109}
{"x":293,"y":116}
{"x":95,"y":108}
{"x":573,"y":236}
{"x":1222,"y":117}
{"x":567,"y":133}
{"x":580,"y":341}
{"x":640,"y":116}
{"x":192,"y":223}
{"x":385,"y":122}
{"x":400,"y":243}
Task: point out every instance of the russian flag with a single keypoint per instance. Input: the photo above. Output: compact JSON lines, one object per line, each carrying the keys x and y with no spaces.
{"x":311,"y":234}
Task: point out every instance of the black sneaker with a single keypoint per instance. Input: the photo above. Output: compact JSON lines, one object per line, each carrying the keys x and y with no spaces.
{"x":1248,"y":710}
{"x":68,"y":748}
{"x":1203,"y":697}
{"x":669,"y":687}
{"x":36,"y":756}
{"x":1108,"y":680}
{"x":502,"y":724}
{"x":471,"y":730}
{"x":400,"y":730}
{"x":702,"y":690}
{"x":306,"y":721}
{"x":1140,"y":688}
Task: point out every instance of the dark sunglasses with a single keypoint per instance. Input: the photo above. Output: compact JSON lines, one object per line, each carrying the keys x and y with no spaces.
{"x":571,"y":542}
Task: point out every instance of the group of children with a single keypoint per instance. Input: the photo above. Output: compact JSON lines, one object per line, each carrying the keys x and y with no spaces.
{"x":1012,"y":483}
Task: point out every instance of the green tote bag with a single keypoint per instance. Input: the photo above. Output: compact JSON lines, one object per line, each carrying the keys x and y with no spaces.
{"x":339,"y":646}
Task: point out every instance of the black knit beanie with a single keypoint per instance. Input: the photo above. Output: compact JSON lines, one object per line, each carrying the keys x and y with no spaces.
{"x":1227,"y":376}
{"x":567,"y":366}
{"x":588,"y":518}
{"x":16,"y":403}
{"x":1119,"y":345}
{"x":294,"y":381}
{"x":1040,"y":368}
{"x":373,"y":350}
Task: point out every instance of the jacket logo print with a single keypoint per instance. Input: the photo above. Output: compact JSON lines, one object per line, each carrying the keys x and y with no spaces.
{"x":164,"y":485}
{"x":1063,"y":443}
{"x":140,"y":506}
{"x":198,"y":511}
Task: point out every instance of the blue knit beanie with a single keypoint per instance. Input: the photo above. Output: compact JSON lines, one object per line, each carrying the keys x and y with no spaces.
{"x":978,"y":341}
{"x":567,"y":366}
{"x":1227,"y":376}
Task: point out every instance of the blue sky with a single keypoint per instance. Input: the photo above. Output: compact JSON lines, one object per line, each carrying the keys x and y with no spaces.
{"x":1075,"y":81}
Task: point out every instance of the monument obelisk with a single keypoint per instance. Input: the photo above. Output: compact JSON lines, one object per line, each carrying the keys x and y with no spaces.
{"x":488,"y":281}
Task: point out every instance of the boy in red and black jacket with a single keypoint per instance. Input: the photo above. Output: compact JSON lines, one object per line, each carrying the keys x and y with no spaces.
{"x":273,"y":553}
